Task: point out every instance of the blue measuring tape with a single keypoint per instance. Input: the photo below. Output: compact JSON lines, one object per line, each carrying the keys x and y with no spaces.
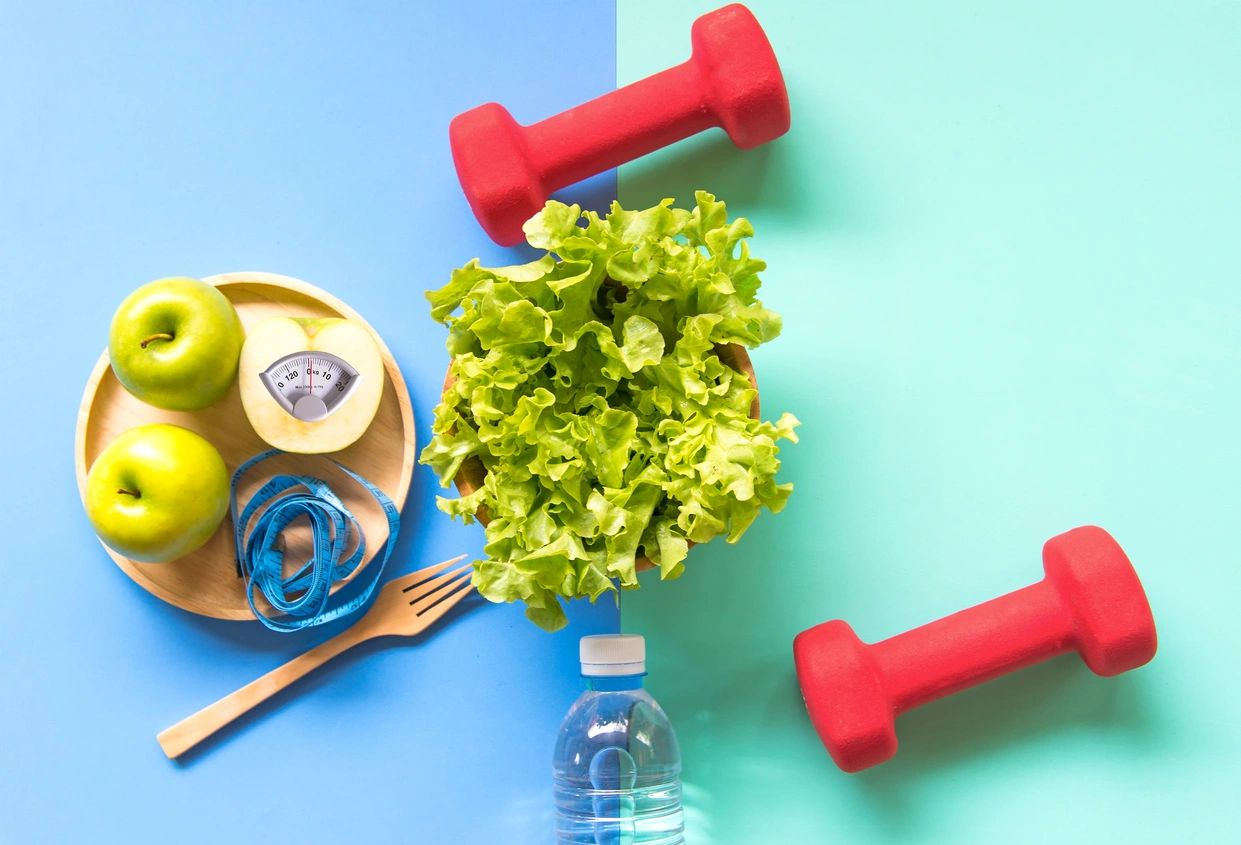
{"x":304,"y":598}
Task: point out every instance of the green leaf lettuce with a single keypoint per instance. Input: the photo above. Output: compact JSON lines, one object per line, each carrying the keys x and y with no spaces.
{"x":588,"y":384}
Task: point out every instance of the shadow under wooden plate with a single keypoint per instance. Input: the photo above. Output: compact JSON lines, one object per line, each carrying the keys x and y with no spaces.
{"x":206,"y":582}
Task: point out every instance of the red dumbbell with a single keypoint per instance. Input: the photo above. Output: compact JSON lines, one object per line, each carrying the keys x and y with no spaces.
{"x":731,"y":80}
{"x":1090,"y":601}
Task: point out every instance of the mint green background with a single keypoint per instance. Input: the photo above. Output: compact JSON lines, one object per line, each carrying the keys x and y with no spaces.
{"x":1006,"y":239}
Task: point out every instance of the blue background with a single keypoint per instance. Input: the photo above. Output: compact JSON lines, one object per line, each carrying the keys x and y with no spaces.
{"x":142,"y":140}
{"x":1005,"y":241}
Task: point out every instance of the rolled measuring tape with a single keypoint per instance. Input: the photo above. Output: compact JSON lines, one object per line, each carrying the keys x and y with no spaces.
{"x":304,"y":598}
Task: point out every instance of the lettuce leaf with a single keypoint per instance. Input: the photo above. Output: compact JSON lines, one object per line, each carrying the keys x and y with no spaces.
{"x":588,"y":384}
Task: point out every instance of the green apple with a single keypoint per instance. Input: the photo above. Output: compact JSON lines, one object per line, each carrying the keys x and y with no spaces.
{"x":157,"y":492}
{"x":277,"y":337}
{"x":175,"y":342}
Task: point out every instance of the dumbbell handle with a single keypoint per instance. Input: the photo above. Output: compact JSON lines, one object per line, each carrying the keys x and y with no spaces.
{"x":619,"y":126}
{"x":974,"y":645}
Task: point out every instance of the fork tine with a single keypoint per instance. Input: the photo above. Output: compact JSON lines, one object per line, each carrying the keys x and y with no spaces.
{"x":426,"y":602}
{"x":426,"y":619}
{"x":406,"y":582}
{"x":425,"y":588}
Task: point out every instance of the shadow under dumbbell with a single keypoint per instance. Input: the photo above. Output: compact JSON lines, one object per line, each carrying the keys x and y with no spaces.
{"x":593,"y":194}
{"x":745,"y":179}
{"x":1039,"y":704}
{"x":776,"y":180}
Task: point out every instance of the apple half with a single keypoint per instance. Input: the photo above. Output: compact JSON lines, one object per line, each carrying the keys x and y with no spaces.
{"x":278,"y":337}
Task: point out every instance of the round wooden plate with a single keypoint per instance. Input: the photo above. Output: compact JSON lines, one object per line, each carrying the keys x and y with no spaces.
{"x":206,"y":582}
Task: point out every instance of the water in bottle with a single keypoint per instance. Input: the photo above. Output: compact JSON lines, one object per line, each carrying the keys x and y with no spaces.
{"x":617,"y":766}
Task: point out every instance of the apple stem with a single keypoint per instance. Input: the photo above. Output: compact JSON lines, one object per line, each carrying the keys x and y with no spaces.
{"x":155,"y":337}
{"x":133,"y":493}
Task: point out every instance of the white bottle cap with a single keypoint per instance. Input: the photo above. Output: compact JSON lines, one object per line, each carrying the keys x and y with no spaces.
{"x":612,"y":655}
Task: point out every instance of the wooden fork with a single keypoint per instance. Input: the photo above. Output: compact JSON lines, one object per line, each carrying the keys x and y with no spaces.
{"x":406,"y":606}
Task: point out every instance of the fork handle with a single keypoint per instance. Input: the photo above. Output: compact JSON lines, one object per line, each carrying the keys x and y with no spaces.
{"x":192,"y":730}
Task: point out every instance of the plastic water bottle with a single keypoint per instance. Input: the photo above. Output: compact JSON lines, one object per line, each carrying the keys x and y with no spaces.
{"x":617,"y":766}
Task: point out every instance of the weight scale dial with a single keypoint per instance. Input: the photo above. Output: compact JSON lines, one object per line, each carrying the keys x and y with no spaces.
{"x":310,"y":386}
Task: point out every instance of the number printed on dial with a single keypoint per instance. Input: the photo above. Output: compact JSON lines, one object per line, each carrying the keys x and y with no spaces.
{"x":310,"y":385}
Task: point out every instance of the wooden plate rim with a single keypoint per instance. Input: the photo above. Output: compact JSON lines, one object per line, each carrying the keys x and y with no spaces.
{"x":301,"y":288}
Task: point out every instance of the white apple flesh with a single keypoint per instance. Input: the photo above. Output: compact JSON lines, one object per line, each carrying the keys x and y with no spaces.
{"x":273,"y":339}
